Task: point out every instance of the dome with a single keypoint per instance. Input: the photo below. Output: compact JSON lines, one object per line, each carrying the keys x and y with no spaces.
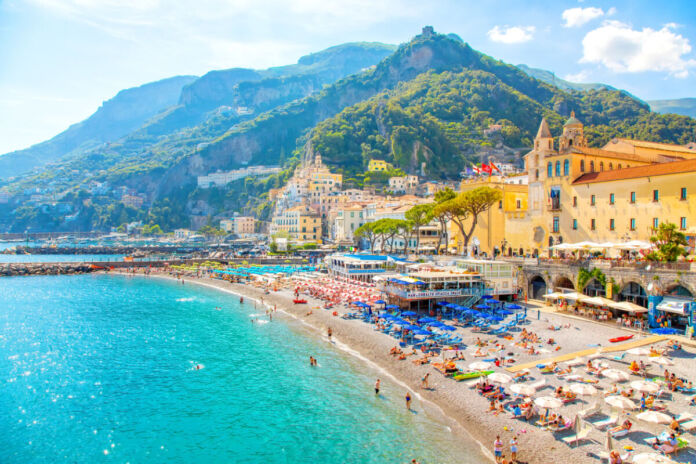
{"x":572,"y":121}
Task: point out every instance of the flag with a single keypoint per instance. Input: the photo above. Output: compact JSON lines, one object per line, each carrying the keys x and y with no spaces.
{"x":476,"y":169}
{"x":486,"y":168}
{"x":493,"y":166}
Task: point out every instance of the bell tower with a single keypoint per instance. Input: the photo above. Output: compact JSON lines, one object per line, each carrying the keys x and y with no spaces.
{"x":573,"y":134}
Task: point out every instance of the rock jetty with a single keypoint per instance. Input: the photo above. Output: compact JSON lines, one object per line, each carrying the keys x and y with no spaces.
{"x":31,"y":269}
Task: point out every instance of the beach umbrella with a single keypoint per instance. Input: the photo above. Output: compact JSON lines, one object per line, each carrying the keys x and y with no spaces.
{"x":498,"y":377}
{"x":420,"y":331}
{"x":615,"y":374}
{"x":548,"y":402}
{"x":639,"y":351}
{"x":426,"y":319}
{"x":482,"y":306}
{"x":448,"y":328}
{"x":408,"y":313}
{"x":662,"y":361}
{"x":380,"y":302}
{"x":620,"y":402}
{"x":645,"y":386}
{"x":479,"y":365}
{"x":608,"y":441}
{"x":513,"y":306}
{"x":654,"y":417}
{"x":524,"y":390}
{"x":650,"y":458}
{"x":583,"y":389}
{"x":392,"y":307}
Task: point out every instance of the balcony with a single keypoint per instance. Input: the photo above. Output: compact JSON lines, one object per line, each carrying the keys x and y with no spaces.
{"x":554,"y":205}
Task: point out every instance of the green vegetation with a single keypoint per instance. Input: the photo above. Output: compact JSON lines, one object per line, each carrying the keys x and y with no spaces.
{"x":468,"y":205}
{"x":670,"y":243}
{"x":585,"y":277}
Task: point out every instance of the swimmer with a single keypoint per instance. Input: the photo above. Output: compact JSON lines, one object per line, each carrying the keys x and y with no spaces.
{"x":329,"y":333}
{"x":408,"y":401}
{"x":377,"y":387}
{"x":241,"y":299}
{"x":198,"y":367}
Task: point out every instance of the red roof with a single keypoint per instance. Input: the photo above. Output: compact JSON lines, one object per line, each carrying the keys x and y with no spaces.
{"x":658,"y":169}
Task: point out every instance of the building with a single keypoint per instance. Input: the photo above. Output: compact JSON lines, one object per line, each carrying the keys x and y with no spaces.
{"x":299,"y":223}
{"x":378,"y":165}
{"x":134,"y":201}
{"x":244,"y":225}
{"x":348,"y":219}
{"x":227,"y":225}
{"x":220,"y":179}
{"x":183,"y":234}
{"x":403,"y":184}
{"x":361,"y":267}
{"x":616,"y":193}
{"x":500,"y":276}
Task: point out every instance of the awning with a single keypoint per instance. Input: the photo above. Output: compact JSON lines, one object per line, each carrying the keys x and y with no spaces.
{"x":673,"y":305}
{"x":552,"y":295}
{"x":597,"y":301}
{"x":571,"y":296}
{"x":629,"y":307}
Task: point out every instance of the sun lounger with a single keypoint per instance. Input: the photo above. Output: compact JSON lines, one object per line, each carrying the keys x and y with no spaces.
{"x":592,"y":410}
{"x":576,"y":438}
{"x":539,"y":384}
{"x":611,"y":420}
{"x":564,"y":427}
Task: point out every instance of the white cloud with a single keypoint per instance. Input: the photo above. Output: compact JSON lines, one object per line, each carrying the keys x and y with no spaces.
{"x":611,"y":11}
{"x":511,"y":34}
{"x":623,"y":49}
{"x":582,"y":76}
{"x":575,"y":17}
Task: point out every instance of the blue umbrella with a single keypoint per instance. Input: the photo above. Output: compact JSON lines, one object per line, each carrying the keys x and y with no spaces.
{"x":513,"y":306}
{"x":487,"y":296}
{"x":409,"y":313}
{"x":421,"y":332}
{"x":392,"y":307}
{"x":482,"y":306}
{"x":442,"y":303}
{"x":425,"y":319}
{"x":448,"y":327}
{"x":380,"y":302}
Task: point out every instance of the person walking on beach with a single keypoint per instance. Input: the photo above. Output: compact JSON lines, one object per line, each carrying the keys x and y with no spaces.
{"x":498,"y":449}
{"x":329,"y":333}
{"x":513,"y":449}
{"x":377,"y":387}
{"x":408,"y":401}
{"x":424,"y":380}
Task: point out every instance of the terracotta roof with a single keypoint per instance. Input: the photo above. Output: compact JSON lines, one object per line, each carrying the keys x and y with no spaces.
{"x":657,"y":145}
{"x":658,"y":169}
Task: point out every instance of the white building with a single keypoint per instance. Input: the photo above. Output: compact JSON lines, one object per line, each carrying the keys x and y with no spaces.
{"x":220,"y":179}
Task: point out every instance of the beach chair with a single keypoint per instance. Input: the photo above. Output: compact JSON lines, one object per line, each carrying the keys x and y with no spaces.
{"x":591,"y":411}
{"x":662,"y":392}
{"x":539,"y":384}
{"x":608,"y":422}
{"x":564,"y":428}
{"x":575,"y":439}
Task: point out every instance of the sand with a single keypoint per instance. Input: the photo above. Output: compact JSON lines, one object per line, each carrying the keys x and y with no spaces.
{"x":459,"y":401}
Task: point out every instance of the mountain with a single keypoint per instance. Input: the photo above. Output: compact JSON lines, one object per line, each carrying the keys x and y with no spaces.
{"x":428,"y":105}
{"x":550,"y":78}
{"x":683,"y":106}
{"x":127,"y":111}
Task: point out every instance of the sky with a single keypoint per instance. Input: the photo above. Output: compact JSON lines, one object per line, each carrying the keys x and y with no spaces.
{"x":60,"y":59}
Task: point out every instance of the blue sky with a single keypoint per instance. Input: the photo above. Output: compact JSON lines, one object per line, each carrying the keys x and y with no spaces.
{"x":61,"y":58}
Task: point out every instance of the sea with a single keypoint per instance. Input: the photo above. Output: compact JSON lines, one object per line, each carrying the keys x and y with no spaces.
{"x":103,"y":368}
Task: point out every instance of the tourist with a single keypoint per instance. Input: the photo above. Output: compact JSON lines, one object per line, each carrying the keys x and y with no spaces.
{"x":513,"y":449}
{"x":669,"y":446}
{"x":408,"y":401}
{"x":424,"y":380}
{"x":377,"y":387}
{"x":329,"y":333}
{"x":615,"y":458}
{"x":498,"y":449}
{"x":674,"y":426}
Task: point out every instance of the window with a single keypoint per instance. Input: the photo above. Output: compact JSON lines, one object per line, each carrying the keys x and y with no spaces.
{"x":591,"y":166}
{"x":633,"y":197}
{"x":611,"y":166}
{"x":519,"y":204}
{"x":592,"y":200}
{"x":558,"y":169}
{"x":555,"y":223}
{"x":611,"y":198}
{"x":575,"y":201}
{"x":656,"y":223}
{"x":500,"y":205}
{"x":611,"y":224}
{"x":656,"y":195}
{"x":536,"y":174}
{"x":575,"y":224}
{"x":682,"y":223}
{"x":601,"y":165}
{"x":582,"y":165}
{"x":566,"y":167}
{"x":682,"y":194}
{"x":593,"y":224}
{"x":549,"y":169}
{"x":632,"y":224}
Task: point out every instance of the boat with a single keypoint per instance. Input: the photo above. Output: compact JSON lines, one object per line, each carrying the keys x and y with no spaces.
{"x":299,"y":301}
{"x":470,"y":375}
{"x":621,"y":339}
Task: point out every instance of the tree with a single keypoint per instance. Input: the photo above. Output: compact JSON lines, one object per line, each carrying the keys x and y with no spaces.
{"x":386,"y":230}
{"x":404,"y":229}
{"x":467,"y":205}
{"x":367,"y":231}
{"x":419,"y":216}
{"x":441,"y":197}
{"x":669,"y":241}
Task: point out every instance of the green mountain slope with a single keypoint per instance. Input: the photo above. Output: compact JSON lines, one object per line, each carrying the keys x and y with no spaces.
{"x":551,"y":78}
{"x":127,"y":111}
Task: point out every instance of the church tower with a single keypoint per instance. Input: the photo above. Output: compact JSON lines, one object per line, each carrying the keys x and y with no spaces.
{"x":543,"y":141}
{"x":573,"y":134}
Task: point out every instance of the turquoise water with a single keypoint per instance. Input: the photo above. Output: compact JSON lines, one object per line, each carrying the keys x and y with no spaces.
{"x":97,"y":368}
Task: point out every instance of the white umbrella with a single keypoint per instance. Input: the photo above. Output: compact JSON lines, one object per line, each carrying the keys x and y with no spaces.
{"x":576,"y":362}
{"x":645,"y":386}
{"x":497,"y":377}
{"x":651,"y":458}
{"x":479,"y":365}
{"x":524,"y":390}
{"x":583,"y":389}
{"x":662,"y":361}
{"x":654,"y":417}
{"x":574,"y":377}
{"x":548,"y":402}
{"x":639,"y":351}
{"x":615,"y":374}
{"x":620,"y":402}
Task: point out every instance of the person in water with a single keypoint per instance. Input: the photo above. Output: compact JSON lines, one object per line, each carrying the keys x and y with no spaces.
{"x":377,"y":387}
{"x":408,"y":401}
{"x":241,"y":299}
{"x":329,"y":332}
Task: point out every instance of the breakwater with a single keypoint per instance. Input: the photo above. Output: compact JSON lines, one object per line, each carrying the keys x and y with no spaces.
{"x":29,"y":269}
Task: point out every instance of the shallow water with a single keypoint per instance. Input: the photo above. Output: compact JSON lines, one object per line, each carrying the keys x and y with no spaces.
{"x":101,"y":368}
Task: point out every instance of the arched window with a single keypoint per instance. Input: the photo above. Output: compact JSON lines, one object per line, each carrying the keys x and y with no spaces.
{"x":619,"y":166}
{"x":591,"y":166}
{"x":549,"y":169}
{"x":601,"y":165}
{"x":536,"y":174}
{"x":611,"y":166}
{"x":582,"y":165}
{"x":551,"y":144}
{"x":566,"y":167}
{"x":570,"y":142}
{"x":558,"y":169}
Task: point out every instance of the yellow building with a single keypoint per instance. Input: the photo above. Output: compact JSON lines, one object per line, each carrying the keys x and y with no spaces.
{"x":377,"y":165}
{"x":503,"y":228}
{"x":615,"y":193}
{"x":300,"y":223}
